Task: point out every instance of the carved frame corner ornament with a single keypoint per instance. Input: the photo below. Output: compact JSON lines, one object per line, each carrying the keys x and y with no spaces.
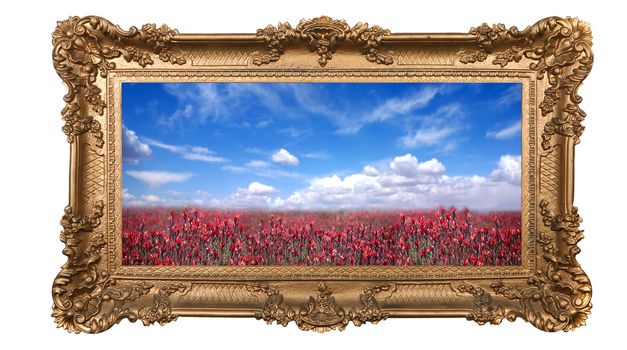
{"x":557,"y":297}
{"x":561,"y":49}
{"x":85,"y":298}
{"x":88,"y":296}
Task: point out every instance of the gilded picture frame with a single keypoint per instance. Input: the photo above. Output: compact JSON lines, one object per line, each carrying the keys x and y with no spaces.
{"x":94,"y":291}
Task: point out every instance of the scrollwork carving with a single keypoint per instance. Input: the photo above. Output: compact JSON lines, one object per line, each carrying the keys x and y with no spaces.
{"x":560,"y":49}
{"x":484,"y":310}
{"x":321,"y":313}
{"x":322,"y":35}
{"x":84,"y":49}
{"x":85,"y":298}
{"x":273,"y":309}
{"x":160,"y":310}
{"x":557,"y":297}
{"x":370,"y":310}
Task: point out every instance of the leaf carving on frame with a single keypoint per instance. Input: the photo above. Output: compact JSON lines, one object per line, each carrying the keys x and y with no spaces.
{"x":484,"y":311}
{"x":557,"y":297}
{"x":273,"y":309}
{"x":321,"y":313}
{"x":83,"y":50}
{"x":87,"y":299}
{"x":322,"y":35}
{"x":560,"y":49}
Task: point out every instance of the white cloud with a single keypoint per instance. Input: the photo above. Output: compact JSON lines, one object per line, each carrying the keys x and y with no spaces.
{"x":148,"y":200}
{"x":370,"y":170}
{"x":507,"y":132}
{"x":200,"y":102}
{"x":151,"y":198}
{"x":133,"y":150}
{"x":235,"y":169}
{"x":263,"y":123}
{"x":197,"y":102}
{"x":172,"y":198}
{"x":409,"y":183}
{"x":435,"y":129}
{"x":511,"y":95}
{"x":158,"y":178}
{"x":256,"y":195}
{"x":432,"y":166}
{"x":508,"y":169}
{"x":261,"y":168}
{"x":282,"y":156}
{"x":316,"y":155}
{"x":226,"y":103}
{"x":126,"y":196}
{"x":258,"y":189}
{"x":202,"y":154}
{"x":426,"y":137}
{"x":396,"y":106}
{"x":406,"y":165}
{"x":405,"y":182}
{"x":295,"y":133}
{"x":255,"y":150}
{"x":391,"y":108}
{"x":257,"y":164}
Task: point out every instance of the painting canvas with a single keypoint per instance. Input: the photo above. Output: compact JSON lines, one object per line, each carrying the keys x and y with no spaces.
{"x":321,"y":174}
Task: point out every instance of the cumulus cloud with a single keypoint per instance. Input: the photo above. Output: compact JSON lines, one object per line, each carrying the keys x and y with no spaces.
{"x":370,"y":170}
{"x":151,"y":198}
{"x":256,"y":195}
{"x":126,"y":196}
{"x":133,"y":149}
{"x":147,"y":200}
{"x":432,"y":166}
{"x":507,"y":132}
{"x":508,"y":169}
{"x":408,"y":166}
{"x":404,"y":182}
{"x":171,"y":198}
{"x":409,"y":183}
{"x":158,"y":178}
{"x":202,"y":154}
{"x":258,"y":189}
{"x":282,"y":156}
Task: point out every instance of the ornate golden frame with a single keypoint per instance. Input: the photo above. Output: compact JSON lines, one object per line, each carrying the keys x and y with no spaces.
{"x":93,"y":291}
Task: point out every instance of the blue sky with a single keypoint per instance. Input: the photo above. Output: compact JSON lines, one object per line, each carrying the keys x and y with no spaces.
{"x":322,"y":145}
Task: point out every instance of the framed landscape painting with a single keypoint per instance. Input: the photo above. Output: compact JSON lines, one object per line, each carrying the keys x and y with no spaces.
{"x":321,"y":174}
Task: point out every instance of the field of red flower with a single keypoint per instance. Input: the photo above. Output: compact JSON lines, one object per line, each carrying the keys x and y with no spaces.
{"x":160,"y":236}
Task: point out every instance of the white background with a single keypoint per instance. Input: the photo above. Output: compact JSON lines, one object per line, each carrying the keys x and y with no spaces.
{"x":35,"y":172}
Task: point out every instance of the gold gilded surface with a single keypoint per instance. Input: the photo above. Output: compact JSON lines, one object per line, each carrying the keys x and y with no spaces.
{"x":93,"y":291}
